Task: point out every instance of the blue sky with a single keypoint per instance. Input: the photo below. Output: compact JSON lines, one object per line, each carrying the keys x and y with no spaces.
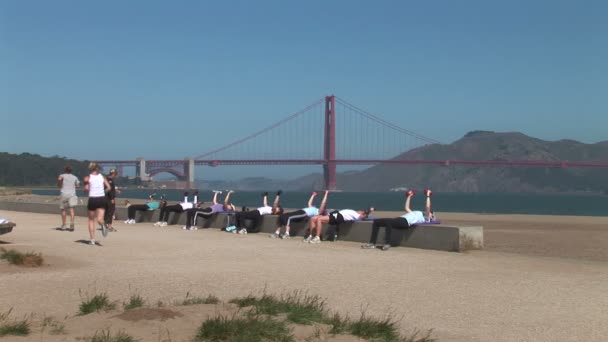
{"x":169,"y":79}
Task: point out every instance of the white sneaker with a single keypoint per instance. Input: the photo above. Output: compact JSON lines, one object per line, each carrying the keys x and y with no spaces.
{"x":285,"y":236}
{"x":194,"y":228}
{"x":158,"y":224}
{"x":185,"y":228}
{"x":243,"y":231}
{"x":132,"y":221}
{"x":316,"y":239}
{"x":275,"y":236}
{"x":128,"y":221}
{"x":307,"y":239}
{"x":92,"y":242}
{"x":163,"y":224}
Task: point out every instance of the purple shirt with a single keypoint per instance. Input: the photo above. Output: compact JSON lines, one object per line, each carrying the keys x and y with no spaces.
{"x":217,"y":208}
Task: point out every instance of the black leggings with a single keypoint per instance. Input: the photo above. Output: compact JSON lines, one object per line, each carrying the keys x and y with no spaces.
{"x":389,"y":224}
{"x":192,"y":214}
{"x":164,"y":212}
{"x":295,"y":216}
{"x":253,"y":215}
{"x":108,"y":216}
{"x":133,"y":208}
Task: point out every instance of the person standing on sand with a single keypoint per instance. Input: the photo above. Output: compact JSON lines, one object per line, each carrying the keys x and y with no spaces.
{"x":111,"y":200}
{"x":68,"y":184}
{"x":97,"y":186}
{"x":411,"y":218}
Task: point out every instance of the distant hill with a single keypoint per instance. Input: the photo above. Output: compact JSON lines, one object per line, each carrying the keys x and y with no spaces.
{"x":483,"y":145}
{"x":28,"y":169}
{"x":32,"y":170}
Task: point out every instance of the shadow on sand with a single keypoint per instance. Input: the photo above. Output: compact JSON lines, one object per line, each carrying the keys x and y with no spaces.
{"x":63,"y":229}
{"x":88,"y":242}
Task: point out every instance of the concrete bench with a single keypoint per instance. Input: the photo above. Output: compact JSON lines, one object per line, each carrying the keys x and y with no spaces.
{"x":438,"y":237}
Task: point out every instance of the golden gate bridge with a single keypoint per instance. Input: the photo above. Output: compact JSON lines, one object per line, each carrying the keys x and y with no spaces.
{"x":329,"y":132}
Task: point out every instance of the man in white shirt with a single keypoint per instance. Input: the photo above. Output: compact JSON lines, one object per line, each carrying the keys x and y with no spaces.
{"x":411,"y":218}
{"x":68,"y":184}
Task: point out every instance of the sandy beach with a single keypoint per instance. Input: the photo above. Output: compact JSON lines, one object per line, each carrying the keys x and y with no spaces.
{"x":540,"y":278}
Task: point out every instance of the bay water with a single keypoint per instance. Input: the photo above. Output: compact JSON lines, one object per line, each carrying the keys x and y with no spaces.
{"x":491,"y":203}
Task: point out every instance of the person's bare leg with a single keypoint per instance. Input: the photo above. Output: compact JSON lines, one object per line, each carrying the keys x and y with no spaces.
{"x":72,"y":217}
{"x":92,"y":224}
{"x":311,"y":224}
{"x":63,"y":217}
{"x":320,"y":222}
{"x":100,"y":213}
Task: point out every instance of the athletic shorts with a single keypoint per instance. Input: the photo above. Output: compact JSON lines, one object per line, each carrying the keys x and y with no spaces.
{"x":67,"y":201}
{"x":335,"y":218}
{"x":96,"y":203}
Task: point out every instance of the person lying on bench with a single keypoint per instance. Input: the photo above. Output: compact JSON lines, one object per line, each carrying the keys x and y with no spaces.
{"x":176,"y":208}
{"x":336,"y":217}
{"x":285,"y":219}
{"x":132,"y":209}
{"x":193,"y":213}
{"x":411,"y":218}
{"x":256,"y":214}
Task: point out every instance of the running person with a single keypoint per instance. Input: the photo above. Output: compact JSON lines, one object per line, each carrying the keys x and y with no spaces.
{"x":111,"y":200}
{"x":176,"y":208}
{"x":411,"y":218}
{"x":256,"y":215}
{"x":192,"y":214}
{"x":285,"y":219}
{"x":96,"y":184}
{"x":151,"y":204}
{"x":68,"y":184}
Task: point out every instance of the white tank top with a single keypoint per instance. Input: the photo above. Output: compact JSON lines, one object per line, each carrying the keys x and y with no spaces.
{"x":96,"y":186}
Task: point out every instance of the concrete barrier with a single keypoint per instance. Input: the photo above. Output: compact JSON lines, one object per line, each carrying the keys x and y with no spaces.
{"x":438,"y":237}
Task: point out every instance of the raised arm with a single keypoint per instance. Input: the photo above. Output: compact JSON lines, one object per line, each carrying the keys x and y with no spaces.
{"x":408,"y":199}
{"x":215,"y":193}
{"x":427,"y":207}
{"x":227,"y":200}
{"x":323,"y":203}
{"x":276,"y":202}
{"x":86,"y":183}
{"x":312,"y":199}
{"x":265,"y":198}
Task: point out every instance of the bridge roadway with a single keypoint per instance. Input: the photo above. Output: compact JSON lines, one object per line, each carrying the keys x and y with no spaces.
{"x":184,"y":169}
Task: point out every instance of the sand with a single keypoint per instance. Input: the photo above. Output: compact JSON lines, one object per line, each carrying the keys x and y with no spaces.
{"x":540,"y":278}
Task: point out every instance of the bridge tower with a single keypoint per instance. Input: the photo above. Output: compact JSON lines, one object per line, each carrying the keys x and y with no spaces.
{"x":189,"y":170}
{"x":140,"y":168}
{"x":329,"y":164}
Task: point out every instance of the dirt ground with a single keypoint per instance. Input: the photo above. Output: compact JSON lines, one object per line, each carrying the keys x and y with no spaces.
{"x":540,"y":278}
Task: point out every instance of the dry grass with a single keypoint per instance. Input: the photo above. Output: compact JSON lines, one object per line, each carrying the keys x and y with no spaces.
{"x":28,"y":259}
